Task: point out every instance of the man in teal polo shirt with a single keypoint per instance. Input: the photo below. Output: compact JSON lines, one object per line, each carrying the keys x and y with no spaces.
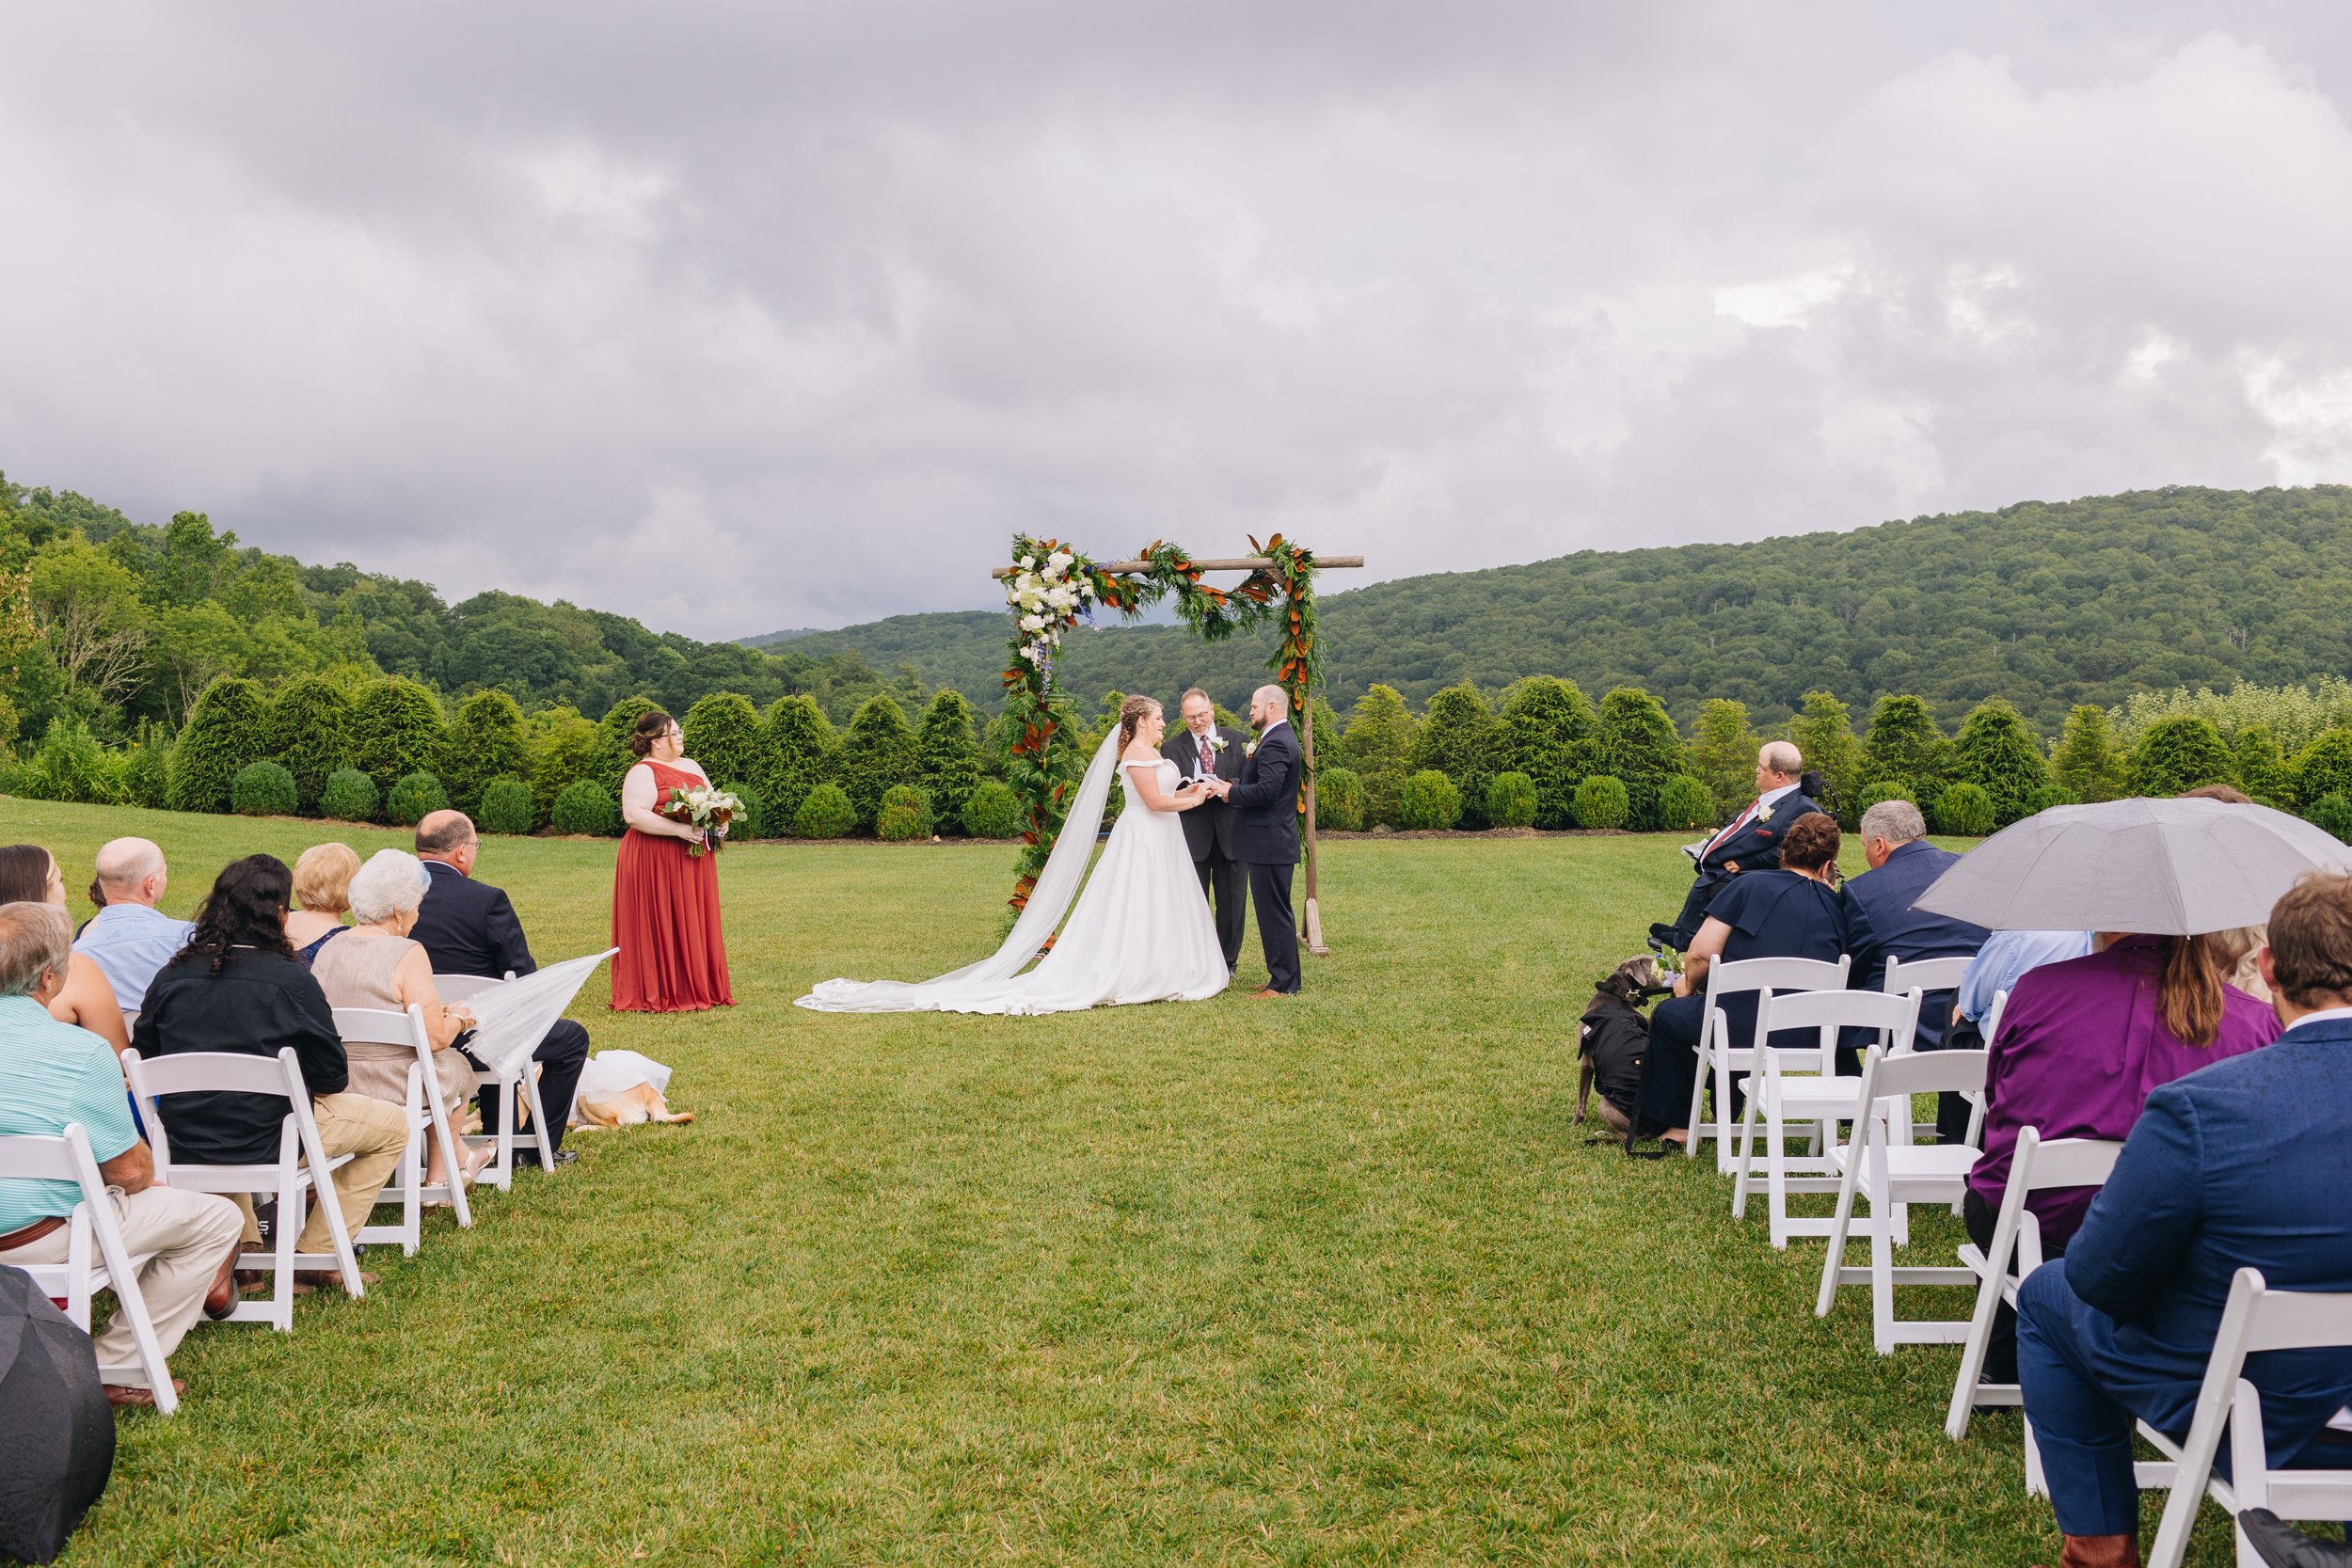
{"x":52,"y":1074}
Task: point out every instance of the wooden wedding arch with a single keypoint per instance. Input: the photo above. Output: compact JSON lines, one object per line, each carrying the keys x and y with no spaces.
{"x":1050,"y":588}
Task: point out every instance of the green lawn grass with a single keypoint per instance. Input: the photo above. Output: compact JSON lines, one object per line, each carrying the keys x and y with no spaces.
{"x":1330,"y":1279}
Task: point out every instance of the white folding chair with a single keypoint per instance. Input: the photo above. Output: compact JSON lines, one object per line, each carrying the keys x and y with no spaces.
{"x":2257,"y":1319}
{"x":1923,"y":974}
{"x":426,"y":1115}
{"x":1721,"y":1058}
{"x":67,"y":1157}
{"x":2034,"y":1166}
{"x":1888,"y":1176}
{"x":461,"y":987}
{"x":301,"y":1163}
{"x":1800,"y":1087}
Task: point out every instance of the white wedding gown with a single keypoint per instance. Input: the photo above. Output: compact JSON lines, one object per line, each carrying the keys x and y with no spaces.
{"x":1141,"y":930}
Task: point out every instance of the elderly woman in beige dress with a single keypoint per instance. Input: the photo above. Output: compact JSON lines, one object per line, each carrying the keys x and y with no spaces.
{"x":375,"y":965}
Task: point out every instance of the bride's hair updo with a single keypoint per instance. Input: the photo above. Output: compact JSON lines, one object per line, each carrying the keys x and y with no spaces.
{"x":651,"y":725}
{"x":1131,"y":714}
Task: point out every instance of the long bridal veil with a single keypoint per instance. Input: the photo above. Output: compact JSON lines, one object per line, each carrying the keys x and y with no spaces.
{"x":1049,"y":901}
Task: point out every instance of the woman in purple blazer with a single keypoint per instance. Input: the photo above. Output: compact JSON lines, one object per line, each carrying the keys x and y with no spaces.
{"x":2082,"y":1045}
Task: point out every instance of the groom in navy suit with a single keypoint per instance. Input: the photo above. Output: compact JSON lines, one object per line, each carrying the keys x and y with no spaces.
{"x":1266,"y":831}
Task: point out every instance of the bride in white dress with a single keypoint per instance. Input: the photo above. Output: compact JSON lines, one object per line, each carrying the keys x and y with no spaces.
{"x":1141,"y":930}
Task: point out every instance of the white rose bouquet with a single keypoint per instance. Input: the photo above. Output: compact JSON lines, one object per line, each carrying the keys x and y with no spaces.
{"x":706,"y":808}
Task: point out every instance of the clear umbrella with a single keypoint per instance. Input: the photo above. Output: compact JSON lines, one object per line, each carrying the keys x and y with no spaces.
{"x":2166,"y":867}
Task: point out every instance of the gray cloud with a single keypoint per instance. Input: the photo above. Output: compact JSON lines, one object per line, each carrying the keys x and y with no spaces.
{"x":737,"y":317}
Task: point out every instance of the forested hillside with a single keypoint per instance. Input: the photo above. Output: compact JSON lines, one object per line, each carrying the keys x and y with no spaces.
{"x":2048,"y":605}
{"x":119,"y":625}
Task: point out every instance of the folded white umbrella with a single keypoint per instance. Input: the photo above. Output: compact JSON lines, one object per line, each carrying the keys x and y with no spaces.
{"x":2163,"y":867}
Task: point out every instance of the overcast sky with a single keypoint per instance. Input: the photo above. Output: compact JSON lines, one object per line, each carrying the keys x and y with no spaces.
{"x":737,"y":317}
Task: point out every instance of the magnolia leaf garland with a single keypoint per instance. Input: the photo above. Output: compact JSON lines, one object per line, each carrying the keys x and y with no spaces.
{"x":1052,"y":587}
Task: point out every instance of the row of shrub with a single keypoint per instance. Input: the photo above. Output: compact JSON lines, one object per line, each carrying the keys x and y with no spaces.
{"x":1538,"y":754}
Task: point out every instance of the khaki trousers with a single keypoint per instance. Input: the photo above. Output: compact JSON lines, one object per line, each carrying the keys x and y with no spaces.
{"x":373,"y":1132}
{"x":189,"y":1234}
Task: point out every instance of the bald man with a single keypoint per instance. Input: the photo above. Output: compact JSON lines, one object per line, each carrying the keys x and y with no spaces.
{"x":130,"y":939}
{"x":1751,"y":843}
{"x":1266,"y":831}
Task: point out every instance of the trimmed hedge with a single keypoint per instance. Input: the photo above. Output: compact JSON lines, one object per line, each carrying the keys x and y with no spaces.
{"x":310,"y":724}
{"x":349,"y":795}
{"x":1685,"y":804}
{"x":947,"y":756}
{"x":229,"y":729}
{"x":2180,"y":753}
{"x":484,"y":743}
{"x":1886,"y":789}
{"x":506,"y":807}
{"x":904,"y":815}
{"x":826,"y":813}
{"x":396,"y":730}
{"x":1511,"y":800}
{"x":1966,"y":810}
{"x":2333,"y":813}
{"x":2051,"y":795}
{"x":585,"y":806}
{"x":993,"y":812}
{"x":752,"y":821}
{"x":1339,"y":799}
{"x":1429,"y":800}
{"x":415,"y":797}
{"x":262,"y":789}
{"x":1603,"y":802}
{"x":877,"y":751}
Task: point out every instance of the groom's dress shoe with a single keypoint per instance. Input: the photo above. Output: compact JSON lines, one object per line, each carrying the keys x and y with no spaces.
{"x":1269,"y":991}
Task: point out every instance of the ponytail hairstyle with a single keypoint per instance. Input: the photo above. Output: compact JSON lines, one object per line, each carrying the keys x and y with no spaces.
{"x":1131,"y":714}
{"x":2191,"y":988}
{"x":651,"y":725}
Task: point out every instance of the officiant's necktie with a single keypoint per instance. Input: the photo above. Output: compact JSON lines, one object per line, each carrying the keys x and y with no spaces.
{"x":1204,"y":755}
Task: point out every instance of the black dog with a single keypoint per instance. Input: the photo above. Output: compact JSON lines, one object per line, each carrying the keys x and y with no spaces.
{"x":1612,"y":1037}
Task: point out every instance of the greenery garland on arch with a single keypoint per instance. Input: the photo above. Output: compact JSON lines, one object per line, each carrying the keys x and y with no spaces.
{"x":1052,"y":588}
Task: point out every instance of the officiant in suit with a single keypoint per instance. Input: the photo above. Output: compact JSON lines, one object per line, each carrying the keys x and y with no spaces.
{"x":1265,"y":802}
{"x":1201,"y":749}
{"x":1751,"y":843}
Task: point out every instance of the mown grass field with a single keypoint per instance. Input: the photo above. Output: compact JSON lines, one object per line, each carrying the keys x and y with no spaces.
{"x":1326,"y":1280}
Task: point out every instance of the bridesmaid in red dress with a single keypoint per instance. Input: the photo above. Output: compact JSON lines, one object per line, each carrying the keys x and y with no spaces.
{"x":665,"y":901}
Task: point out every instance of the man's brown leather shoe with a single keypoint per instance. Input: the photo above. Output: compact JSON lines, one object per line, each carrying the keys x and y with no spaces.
{"x":2100,"y":1551}
{"x":1269,"y":991}
{"x":125,"y":1396}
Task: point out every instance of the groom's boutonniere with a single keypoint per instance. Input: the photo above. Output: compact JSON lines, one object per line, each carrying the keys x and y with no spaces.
{"x":1251,"y":750}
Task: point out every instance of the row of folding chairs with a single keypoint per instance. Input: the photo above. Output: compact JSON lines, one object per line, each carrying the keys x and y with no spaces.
{"x":1796,"y":1093}
{"x":98,"y":1259}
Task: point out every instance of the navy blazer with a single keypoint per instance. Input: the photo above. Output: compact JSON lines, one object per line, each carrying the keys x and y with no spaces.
{"x":469,"y":928}
{"x":2244,"y":1164}
{"x":1265,"y":800}
{"x":1756,"y":845}
{"x":1882,"y":922}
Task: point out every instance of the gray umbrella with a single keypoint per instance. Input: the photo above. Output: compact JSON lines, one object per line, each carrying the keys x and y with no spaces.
{"x":2159,"y":868}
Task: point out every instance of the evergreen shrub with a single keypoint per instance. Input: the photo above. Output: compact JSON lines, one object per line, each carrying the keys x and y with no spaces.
{"x":585,"y":806}
{"x":2000,"y":754}
{"x":752,"y":821}
{"x":348,"y":795}
{"x":2051,"y":795}
{"x":1510,"y":800}
{"x":2333,"y":813}
{"x":310,"y":724}
{"x":905,"y":814}
{"x":414,"y":798}
{"x":826,"y":813}
{"x":1885,"y":789}
{"x":566,"y":748}
{"x":1640,"y":749}
{"x":262,"y":789}
{"x":2324,"y":768}
{"x":70,"y":765}
{"x":2179,"y":753}
{"x":506,"y":807}
{"x":723,"y":731}
{"x":1458,"y":736}
{"x":1603,"y":802}
{"x":147,"y":768}
{"x":947,"y":756}
{"x":877,"y":753}
{"x":1428,"y":800}
{"x":1548,"y":732}
{"x":1339,"y":799}
{"x":229,"y":728}
{"x":993,"y":812}
{"x":1685,"y":804}
{"x":396,"y":730}
{"x":1966,"y":810}
{"x":801,"y":745}
{"x":485,"y":742}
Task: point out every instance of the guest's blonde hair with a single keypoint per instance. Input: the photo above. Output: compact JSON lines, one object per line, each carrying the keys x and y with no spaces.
{"x":321,"y":878}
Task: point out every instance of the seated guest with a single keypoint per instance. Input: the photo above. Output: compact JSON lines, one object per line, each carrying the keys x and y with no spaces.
{"x":29,"y":875}
{"x":2241,"y":949}
{"x":1882,"y":922}
{"x":2005,"y":958}
{"x":236,"y":987}
{"x":378,"y":966}
{"x":2241,"y":1165}
{"x":129,"y":938}
{"x":2081,"y":1045}
{"x":322,"y":885}
{"x":1790,"y":911}
{"x":469,"y":928}
{"x":52,"y":1074}
{"x":1752,"y":842}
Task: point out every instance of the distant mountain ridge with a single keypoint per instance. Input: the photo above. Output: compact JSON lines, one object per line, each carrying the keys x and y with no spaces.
{"x":2045,"y":604}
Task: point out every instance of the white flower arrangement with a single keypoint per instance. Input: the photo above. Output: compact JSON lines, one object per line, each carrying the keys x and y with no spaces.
{"x":705,"y":807}
{"x":1050,"y":599}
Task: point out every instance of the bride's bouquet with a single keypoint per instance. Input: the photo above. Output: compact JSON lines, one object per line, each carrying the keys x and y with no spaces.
{"x":708,"y":808}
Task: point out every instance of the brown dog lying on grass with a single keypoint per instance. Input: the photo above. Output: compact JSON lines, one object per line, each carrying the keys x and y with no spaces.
{"x":640,"y":1103}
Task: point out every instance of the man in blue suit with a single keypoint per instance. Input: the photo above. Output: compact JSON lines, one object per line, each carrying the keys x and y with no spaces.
{"x":1882,"y":922}
{"x":1751,"y":843}
{"x":2244,"y":1164}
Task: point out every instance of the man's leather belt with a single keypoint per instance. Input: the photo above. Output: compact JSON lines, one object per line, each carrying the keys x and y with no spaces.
{"x":31,"y":1233}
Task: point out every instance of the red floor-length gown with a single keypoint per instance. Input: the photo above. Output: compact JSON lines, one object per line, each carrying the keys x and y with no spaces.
{"x":673,"y":956}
